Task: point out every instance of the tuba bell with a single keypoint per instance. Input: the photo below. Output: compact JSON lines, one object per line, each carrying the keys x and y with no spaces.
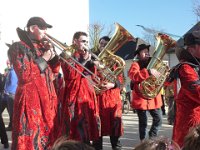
{"x":114,"y":64}
{"x":151,"y":87}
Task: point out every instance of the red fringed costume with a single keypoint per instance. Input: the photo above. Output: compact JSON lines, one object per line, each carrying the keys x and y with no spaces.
{"x":81,"y":108}
{"x":187,"y":103}
{"x":35,"y":104}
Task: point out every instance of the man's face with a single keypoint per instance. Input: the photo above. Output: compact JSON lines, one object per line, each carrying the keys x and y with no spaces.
{"x":194,"y":50}
{"x":38,"y":32}
{"x":144,"y":54}
{"x":102,"y":44}
{"x":82,"y":43}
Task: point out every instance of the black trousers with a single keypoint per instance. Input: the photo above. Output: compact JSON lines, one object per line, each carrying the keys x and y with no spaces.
{"x":114,"y":140}
{"x":3,"y":134}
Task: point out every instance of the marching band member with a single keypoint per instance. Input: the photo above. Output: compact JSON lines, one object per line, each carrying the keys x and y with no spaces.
{"x":137,"y":73}
{"x":188,"y":97}
{"x":110,"y":109}
{"x":35,"y":104}
{"x":79,"y":95}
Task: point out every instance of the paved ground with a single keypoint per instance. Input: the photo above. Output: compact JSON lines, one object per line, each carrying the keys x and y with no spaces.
{"x":130,"y":138}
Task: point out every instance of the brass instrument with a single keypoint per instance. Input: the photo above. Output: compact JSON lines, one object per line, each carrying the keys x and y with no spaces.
{"x":114,"y":64}
{"x":151,"y":87}
{"x":110,"y":65}
{"x":67,"y":53}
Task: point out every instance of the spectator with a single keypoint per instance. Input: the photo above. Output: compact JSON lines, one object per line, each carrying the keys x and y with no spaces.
{"x":9,"y":91}
{"x":65,"y":144}
{"x":159,"y":143}
{"x":192,"y":139}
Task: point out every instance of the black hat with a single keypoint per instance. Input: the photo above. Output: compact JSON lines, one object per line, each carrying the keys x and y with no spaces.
{"x":192,"y":38}
{"x":39,"y":22}
{"x":141,"y":47}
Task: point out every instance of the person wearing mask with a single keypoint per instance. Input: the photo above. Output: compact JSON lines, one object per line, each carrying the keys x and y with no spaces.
{"x":187,"y":98}
{"x":138,"y":73}
{"x":35,"y":105}
{"x":81,"y":113}
{"x":110,"y":109}
{"x":9,"y":91}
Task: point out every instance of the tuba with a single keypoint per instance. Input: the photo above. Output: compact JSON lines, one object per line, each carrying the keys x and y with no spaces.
{"x":113,"y":64}
{"x":152,"y":86}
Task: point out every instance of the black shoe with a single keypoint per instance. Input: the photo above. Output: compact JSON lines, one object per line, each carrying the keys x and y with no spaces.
{"x":6,"y":145}
{"x":9,"y":128}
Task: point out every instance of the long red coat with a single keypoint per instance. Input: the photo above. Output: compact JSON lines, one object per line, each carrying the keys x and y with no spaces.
{"x":187,"y":104}
{"x":35,"y":104}
{"x":110,"y":109}
{"x":81,"y":109}
{"x":138,"y":102}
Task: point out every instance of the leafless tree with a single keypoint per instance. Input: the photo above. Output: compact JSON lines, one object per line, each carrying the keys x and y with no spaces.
{"x":196,"y":8}
{"x":97,"y":30}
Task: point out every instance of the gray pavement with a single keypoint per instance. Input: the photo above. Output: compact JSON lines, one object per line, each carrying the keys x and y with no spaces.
{"x":130,"y":138}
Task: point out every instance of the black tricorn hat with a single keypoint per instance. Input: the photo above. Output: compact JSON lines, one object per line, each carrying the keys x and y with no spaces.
{"x":192,"y":38}
{"x":141,"y":47}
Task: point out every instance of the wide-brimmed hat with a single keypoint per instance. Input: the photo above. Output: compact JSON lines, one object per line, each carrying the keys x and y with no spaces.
{"x":39,"y":22}
{"x":141,"y":47}
{"x":192,"y":38}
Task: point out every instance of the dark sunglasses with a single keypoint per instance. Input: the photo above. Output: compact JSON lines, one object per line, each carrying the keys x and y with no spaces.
{"x":84,"y":41}
{"x":42,"y":28}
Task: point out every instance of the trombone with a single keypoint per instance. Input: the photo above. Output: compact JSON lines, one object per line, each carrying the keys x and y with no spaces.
{"x":68,"y":51}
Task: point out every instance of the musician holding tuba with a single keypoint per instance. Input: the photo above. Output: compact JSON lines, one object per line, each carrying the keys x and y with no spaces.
{"x":80,"y":102}
{"x":110,"y":108}
{"x":138,"y":72}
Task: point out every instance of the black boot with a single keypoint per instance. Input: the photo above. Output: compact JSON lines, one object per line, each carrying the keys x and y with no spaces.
{"x":116,"y":145}
{"x":98,"y":144}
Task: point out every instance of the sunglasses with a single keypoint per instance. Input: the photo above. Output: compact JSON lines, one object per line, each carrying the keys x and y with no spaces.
{"x":84,"y":41}
{"x":42,"y":28}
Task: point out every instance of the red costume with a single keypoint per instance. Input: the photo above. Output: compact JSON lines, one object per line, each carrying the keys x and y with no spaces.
{"x":35,"y":104}
{"x":137,"y":75}
{"x":110,"y":109}
{"x":187,"y":103}
{"x":81,"y":103}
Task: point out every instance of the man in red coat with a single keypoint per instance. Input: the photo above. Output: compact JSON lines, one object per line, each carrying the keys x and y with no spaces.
{"x":138,"y":73}
{"x":80,"y":100}
{"x":188,"y":98}
{"x":110,"y":109}
{"x":35,"y":104}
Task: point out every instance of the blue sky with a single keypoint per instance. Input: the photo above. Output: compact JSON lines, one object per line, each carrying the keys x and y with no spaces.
{"x":172,"y":16}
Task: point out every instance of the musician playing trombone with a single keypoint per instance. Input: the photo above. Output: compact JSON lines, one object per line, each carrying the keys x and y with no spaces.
{"x":35,"y":104}
{"x":82,"y":114}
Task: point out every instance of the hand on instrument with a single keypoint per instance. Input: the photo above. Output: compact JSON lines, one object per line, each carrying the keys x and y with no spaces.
{"x":155,"y":73}
{"x":107,"y":85}
{"x":49,"y":54}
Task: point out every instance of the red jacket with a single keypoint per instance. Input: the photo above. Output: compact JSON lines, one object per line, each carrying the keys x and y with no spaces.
{"x":187,"y":104}
{"x":137,"y":75}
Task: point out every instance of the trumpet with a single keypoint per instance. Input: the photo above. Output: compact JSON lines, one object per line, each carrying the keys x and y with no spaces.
{"x":67,"y":53}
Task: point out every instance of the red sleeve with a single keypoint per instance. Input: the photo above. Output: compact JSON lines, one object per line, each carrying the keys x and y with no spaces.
{"x":137,"y":75}
{"x":187,"y":76}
